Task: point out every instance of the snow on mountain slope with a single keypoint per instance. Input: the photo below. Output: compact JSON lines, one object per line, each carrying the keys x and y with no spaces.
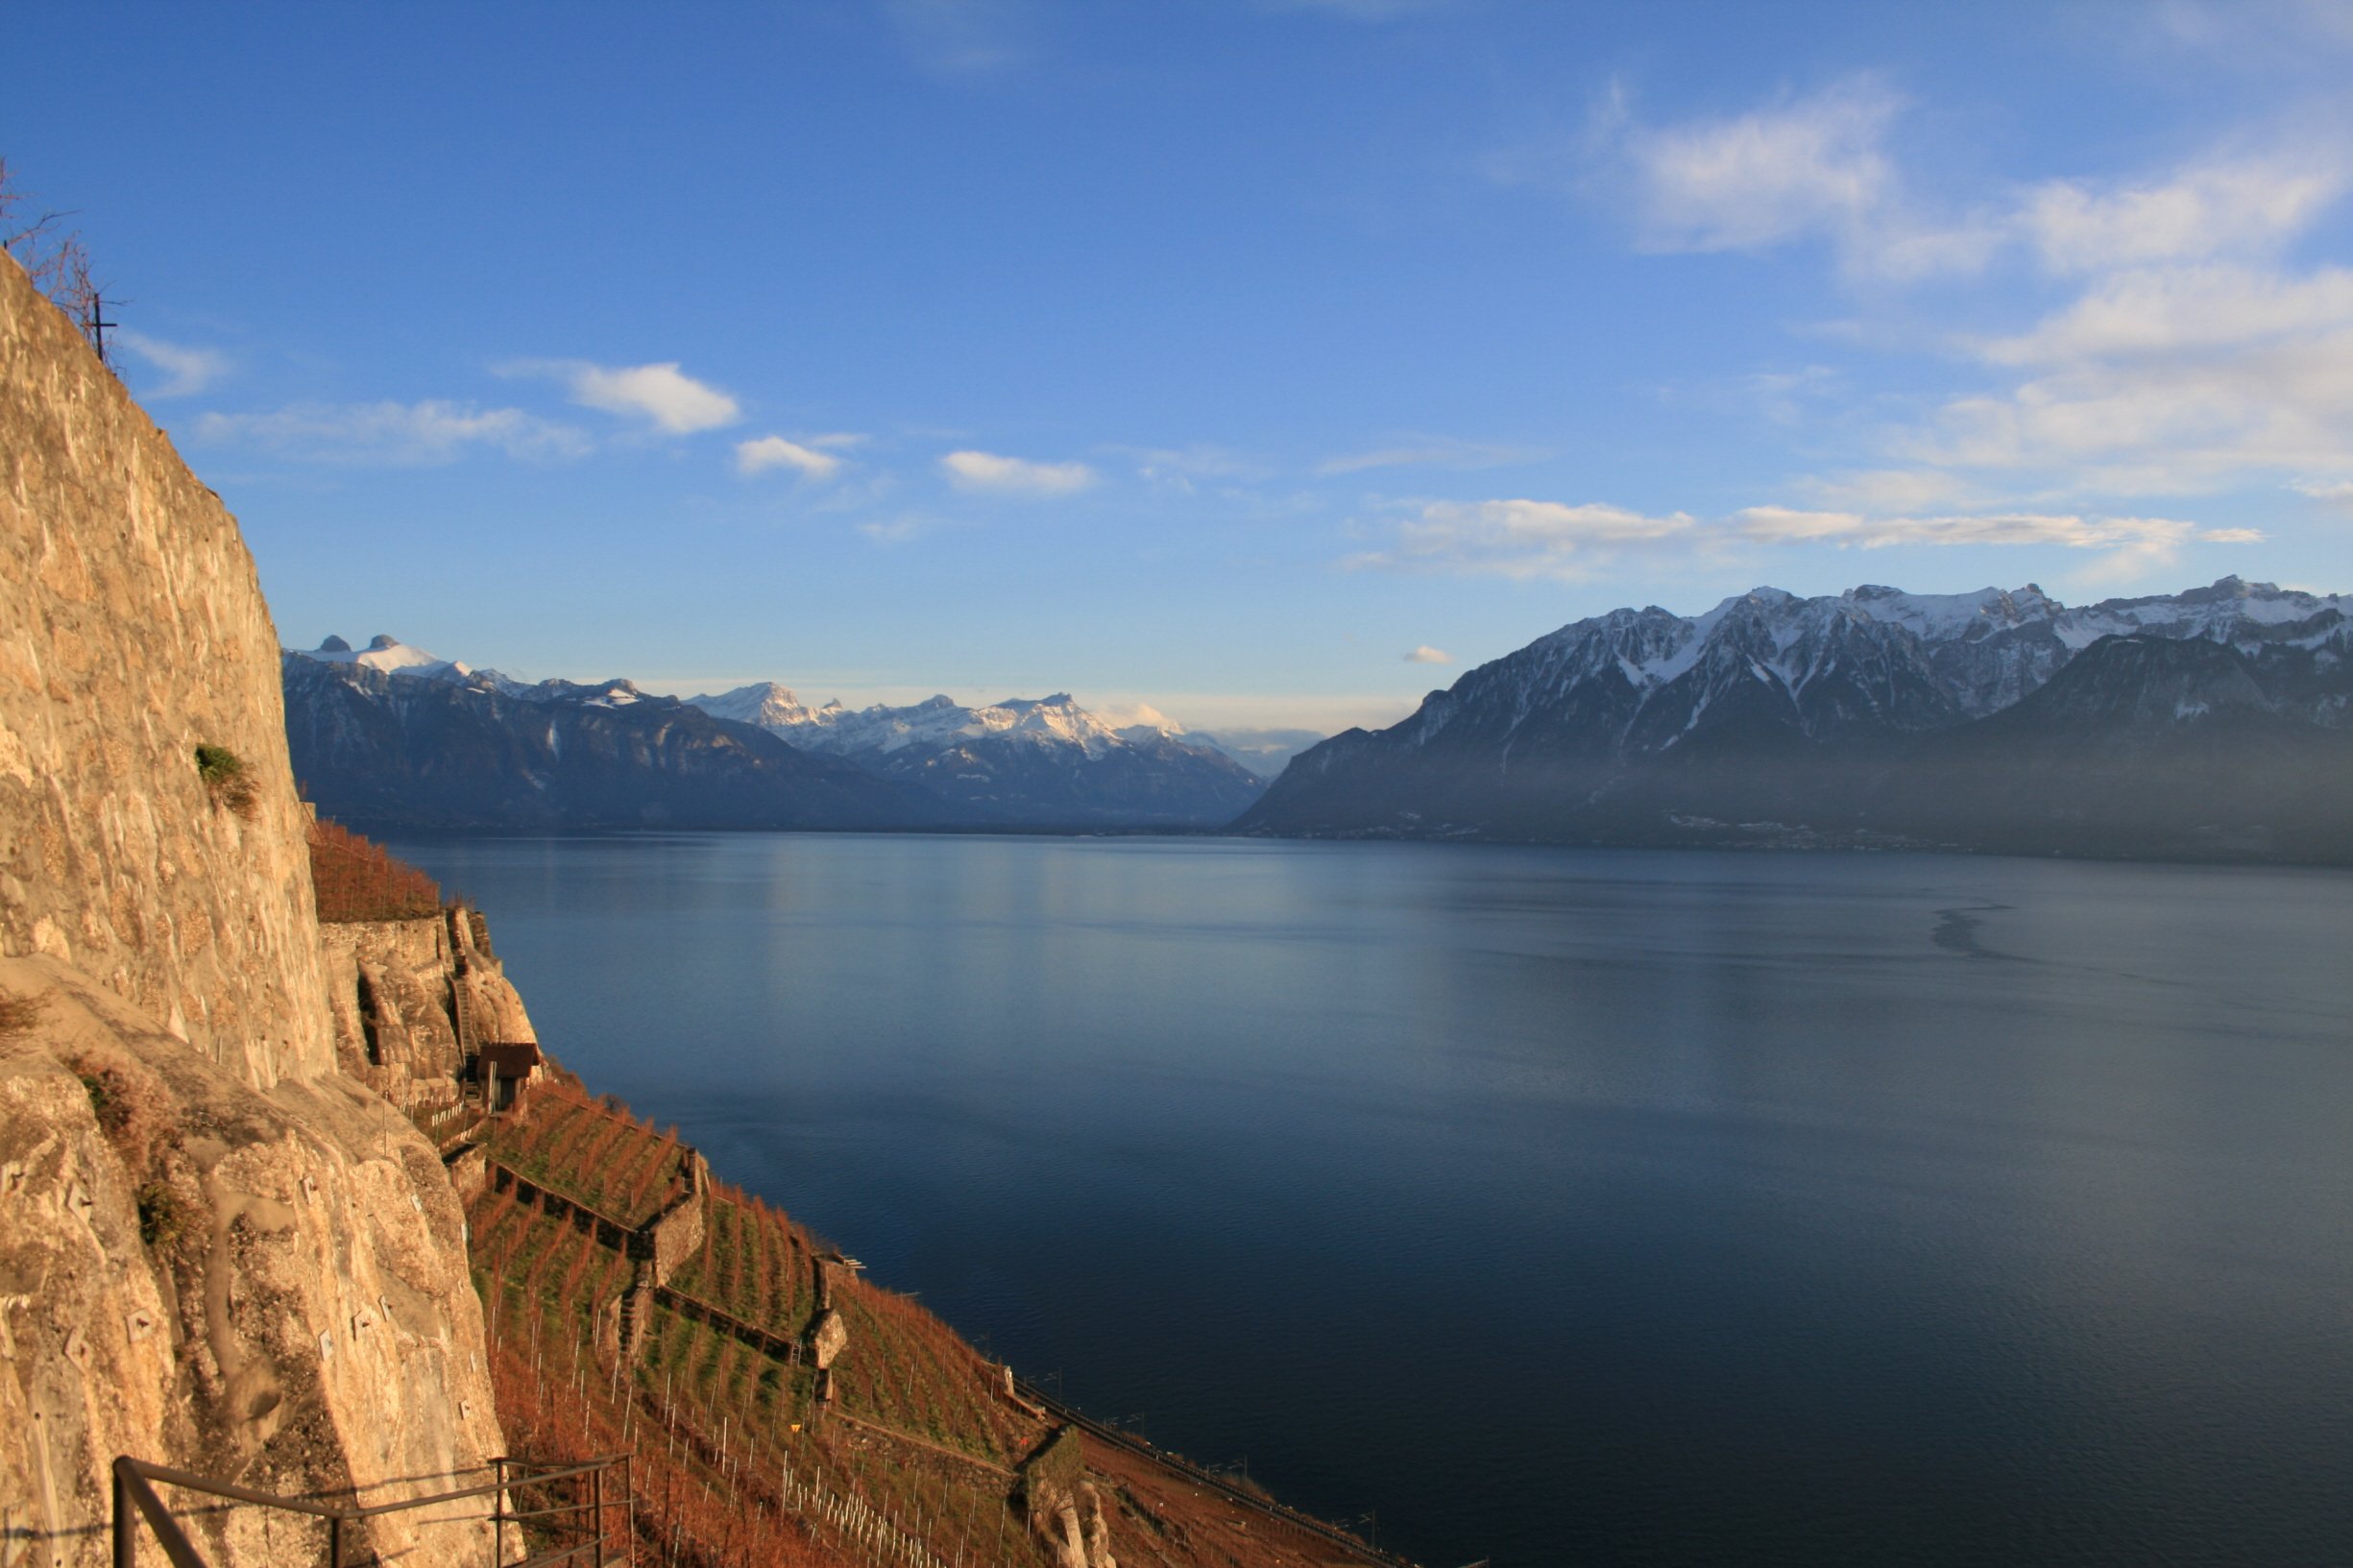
{"x":1872,"y":657}
{"x":936,"y":721}
{"x":388,"y":654}
{"x":769,"y":705}
{"x":1041,"y":760}
{"x":1045,"y":762}
{"x":418,"y":746}
{"x":1768,"y":703}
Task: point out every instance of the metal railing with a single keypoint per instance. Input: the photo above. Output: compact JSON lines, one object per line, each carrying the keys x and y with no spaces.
{"x":584,"y":1515}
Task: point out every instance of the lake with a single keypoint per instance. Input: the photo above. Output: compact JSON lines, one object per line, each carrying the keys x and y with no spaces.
{"x":1549,"y":1205}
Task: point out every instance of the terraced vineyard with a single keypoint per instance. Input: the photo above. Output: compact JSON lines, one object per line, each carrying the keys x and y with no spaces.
{"x":914,"y":1462}
{"x":754,"y":1264}
{"x":907,"y":1370}
{"x":726,"y":1436}
{"x":593,"y":1154}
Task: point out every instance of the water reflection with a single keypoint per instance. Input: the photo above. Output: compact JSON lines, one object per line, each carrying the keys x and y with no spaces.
{"x":1566,"y":1206}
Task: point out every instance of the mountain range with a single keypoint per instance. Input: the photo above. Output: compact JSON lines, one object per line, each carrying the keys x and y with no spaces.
{"x":2213,"y":721}
{"x":390,"y":736}
{"x":1038,"y":763}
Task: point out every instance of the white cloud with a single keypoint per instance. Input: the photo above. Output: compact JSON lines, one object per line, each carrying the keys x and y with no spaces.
{"x":1760,"y":178}
{"x":2189,"y":357}
{"x":2228,"y":208}
{"x":1440,"y":451}
{"x":2132,"y":545}
{"x":776,"y":453}
{"x":988,"y":472}
{"x":186,"y":371}
{"x":672,"y":401}
{"x":1520,"y":539}
{"x":2339,"y":492}
{"x":1815,"y":166}
{"x":1525,"y":539}
{"x":2184,"y":363}
{"x":1427,"y":655}
{"x":1819,"y":166}
{"x":1789,"y":525}
{"x":2155,"y":311}
{"x":433,"y":431}
{"x":661,"y":395}
{"x":2167,"y":381}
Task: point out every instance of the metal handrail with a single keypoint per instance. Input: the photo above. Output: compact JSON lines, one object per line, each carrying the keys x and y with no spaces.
{"x":135,"y":1499}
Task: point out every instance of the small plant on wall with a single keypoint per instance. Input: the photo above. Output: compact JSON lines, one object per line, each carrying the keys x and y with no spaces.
{"x":224,"y":774}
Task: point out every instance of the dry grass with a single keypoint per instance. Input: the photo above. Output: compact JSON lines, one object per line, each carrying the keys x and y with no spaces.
{"x":133,"y":1110}
{"x":357,"y":880}
{"x":20,"y":1015}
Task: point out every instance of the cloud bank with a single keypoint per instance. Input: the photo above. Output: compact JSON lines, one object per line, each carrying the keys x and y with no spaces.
{"x":396,"y":434}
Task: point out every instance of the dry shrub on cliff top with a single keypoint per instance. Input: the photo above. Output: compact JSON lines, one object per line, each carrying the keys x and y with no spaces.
{"x":358,"y":879}
{"x":52,"y":255}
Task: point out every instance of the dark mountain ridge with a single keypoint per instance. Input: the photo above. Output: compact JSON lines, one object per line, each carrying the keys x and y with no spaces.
{"x":2210,"y":722}
{"x":388,"y":752}
{"x":391,"y":739}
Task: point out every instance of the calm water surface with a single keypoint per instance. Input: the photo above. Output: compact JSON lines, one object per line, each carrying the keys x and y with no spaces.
{"x":1561,"y":1206}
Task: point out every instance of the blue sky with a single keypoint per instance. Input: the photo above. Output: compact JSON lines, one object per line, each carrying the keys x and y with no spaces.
{"x":1265,"y":362}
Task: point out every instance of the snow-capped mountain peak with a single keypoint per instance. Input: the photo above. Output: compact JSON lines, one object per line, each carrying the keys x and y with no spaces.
{"x":1021,"y":758}
{"x":389,"y":654}
{"x":764,"y":703}
{"x":1999,"y":719}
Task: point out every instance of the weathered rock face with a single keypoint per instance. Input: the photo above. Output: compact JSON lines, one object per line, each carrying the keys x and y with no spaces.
{"x":298,"y":1314}
{"x":217,"y":1250}
{"x":132,"y":632}
{"x":1065,"y":1511}
{"x":397,"y":989}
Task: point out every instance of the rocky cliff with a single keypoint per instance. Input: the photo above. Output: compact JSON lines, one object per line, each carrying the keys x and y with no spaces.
{"x":403,"y":992}
{"x":132,"y":633}
{"x":216,"y":1249}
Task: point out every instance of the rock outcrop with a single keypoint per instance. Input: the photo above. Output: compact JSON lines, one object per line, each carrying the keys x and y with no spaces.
{"x":1064,"y":1509}
{"x":217,"y":1249}
{"x":402,"y":991}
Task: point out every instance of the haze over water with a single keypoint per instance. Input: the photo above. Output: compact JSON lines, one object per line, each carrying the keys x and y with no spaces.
{"x":1586,"y":1206}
